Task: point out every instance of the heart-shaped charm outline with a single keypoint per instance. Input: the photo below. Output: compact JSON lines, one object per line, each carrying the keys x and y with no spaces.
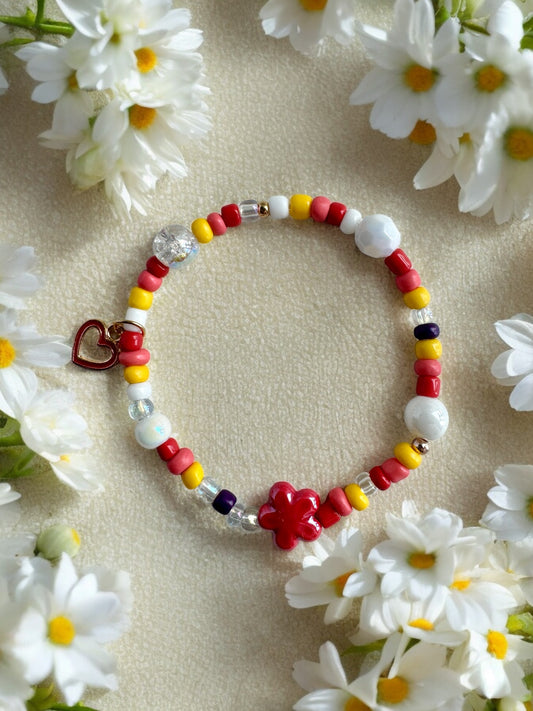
{"x":104,"y":341}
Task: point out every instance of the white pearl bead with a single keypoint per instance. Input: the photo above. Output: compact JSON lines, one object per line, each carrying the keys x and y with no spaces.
{"x":350,"y":220}
{"x":139,"y":391}
{"x":377,"y":236}
{"x":426,"y":417}
{"x":278,"y":207}
{"x":153,"y":431}
{"x":137,"y":316}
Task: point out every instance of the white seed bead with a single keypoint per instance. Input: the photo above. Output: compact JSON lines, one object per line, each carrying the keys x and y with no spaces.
{"x":350,"y":220}
{"x":426,"y":417}
{"x":137,"y":315}
{"x":377,"y":236}
{"x":153,"y":431}
{"x":139,"y":391}
{"x":279,"y":207}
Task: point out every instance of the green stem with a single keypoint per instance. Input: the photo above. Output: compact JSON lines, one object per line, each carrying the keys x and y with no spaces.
{"x":12,"y":440}
{"x":37,"y":23}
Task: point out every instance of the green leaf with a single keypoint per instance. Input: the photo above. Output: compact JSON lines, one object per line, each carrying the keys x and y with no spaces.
{"x":521,"y":624}
{"x":364,"y":648}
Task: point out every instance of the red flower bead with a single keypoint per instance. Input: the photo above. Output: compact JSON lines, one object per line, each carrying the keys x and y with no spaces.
{"x":290,"y":514}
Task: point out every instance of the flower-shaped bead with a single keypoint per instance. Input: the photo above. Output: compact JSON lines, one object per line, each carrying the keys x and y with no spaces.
{"x":290,"y":515}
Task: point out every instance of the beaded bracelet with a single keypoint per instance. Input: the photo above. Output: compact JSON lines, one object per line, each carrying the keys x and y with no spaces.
{"x":289,"y":513}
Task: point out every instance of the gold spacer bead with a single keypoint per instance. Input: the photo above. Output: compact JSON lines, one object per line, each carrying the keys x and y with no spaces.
{"x":264,"y":209}
{"x":421,"y":445}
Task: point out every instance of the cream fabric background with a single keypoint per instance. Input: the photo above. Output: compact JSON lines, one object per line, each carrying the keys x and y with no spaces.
{"x":282,"y":354}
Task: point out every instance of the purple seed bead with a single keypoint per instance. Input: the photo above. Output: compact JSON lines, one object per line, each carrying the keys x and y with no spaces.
{"x":224,"y":502}
{"x":426,"y":330}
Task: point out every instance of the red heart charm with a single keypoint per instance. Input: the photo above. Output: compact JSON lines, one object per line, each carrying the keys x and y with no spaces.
{"x":104,"y":341}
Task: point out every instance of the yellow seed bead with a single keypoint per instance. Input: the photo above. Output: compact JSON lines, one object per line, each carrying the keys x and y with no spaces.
{"x":300,"y":206}
{"x":136,"y":373}
{"x":356,"y":496}
{"x":201,"y":229}
{"x":428,"y":348}
{"x":140,"y":298}
{"x":193,"y":475}
{"x":407,"y":455}
{"x":419,"y":298}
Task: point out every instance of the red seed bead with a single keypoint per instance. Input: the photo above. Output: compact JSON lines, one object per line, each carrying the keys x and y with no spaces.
{"x":139,"y":357}
{"x":157,"y":268}
{"x":231,"y":215}
{"x":379,"y":479}
{"x":408,"y":281}
{"x":428,"y":366}
{"x":320,"y":208}
{"x":428,"y":386}
{"x":216,"y":223}
{"x":398,"y":262}
{"x":339,"y":501}
{"x":327,"y":515}
{"x":394,"y":470}
{"x":149,"y":281}
{"x":181,"y":461}
{"x":336,"y":212}
{"x":131,"y":341}
{"x":168,"y":449}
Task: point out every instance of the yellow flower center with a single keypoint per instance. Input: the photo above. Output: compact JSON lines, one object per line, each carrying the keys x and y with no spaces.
{"x":355,"y":704}
{"x":422,"y":624}
{"x":75,"y":536}
{"x":313,"y":5}
{"x":422,"y":561}
{"x":340,"y":582}
{"x":142,"y":117}
{"x":460,"y":585}
{"x":497,"y":644}
{"x":465,"y":138}
{"x":519,"y":143}
{"x":146,"y":59}
{"x":489,"y":78}
{"x":7,"y":353}
{"x":61,"y":630}
{"x":423,"y":133}
{"x":73,"y":82}
{"x":392,"y":691}
{"x":419,"y":78}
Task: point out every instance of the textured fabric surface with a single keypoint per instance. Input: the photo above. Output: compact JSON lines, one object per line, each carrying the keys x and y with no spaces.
{"x":283,"y":353}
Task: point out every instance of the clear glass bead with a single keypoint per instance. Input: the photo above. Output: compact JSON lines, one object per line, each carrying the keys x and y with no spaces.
{"x":250,"y":522}
{"x":140,"y":409}
{"x":175,"y":246}
{"x":234,"y":518}
{"x":249,"y":210}
{"x":208,"y":489}
{"x":366,"y":484}
{"x":421,"y":316}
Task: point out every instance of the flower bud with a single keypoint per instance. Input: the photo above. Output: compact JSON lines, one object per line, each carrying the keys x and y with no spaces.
{"x":58,"y":539}
{"x":508,"y":703}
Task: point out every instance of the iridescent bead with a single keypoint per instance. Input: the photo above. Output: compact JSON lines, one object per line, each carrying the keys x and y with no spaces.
{"x":365,"y":482}
{"x":139,"y":409}
{"x":234,"y":518}
{"x":249,"y":210}
{"x":153,"y":430}
{"x":250,"y":522}
{"x":175,"y":246}
{"x":208,"y":489}
{"x":421,"y":316}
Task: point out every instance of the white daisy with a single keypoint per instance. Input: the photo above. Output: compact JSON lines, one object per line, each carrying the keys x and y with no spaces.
{"x":453,"y":155}
{"x":510,"y":511}
{"x":504,"y":167}
{"x":17,"y":280}
{"x":489,"y":663}
{"x":326,"y":681}
{"x":63,"y":632}
{"x":515,"y":366}
{"x":416,"y":680}
{"x":9,"y":507}
{"x":12,"y":551}
{"x":307,"y":23}
{"x":519,"y":560}
{"x":418,"y":557}
{"x":14,"y":689}
{"x":476,"y":82}
{"x":333,"y":576}
{"x":402,"y":86}
{"x":78,"y":471}
{"x":21,"y":348}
